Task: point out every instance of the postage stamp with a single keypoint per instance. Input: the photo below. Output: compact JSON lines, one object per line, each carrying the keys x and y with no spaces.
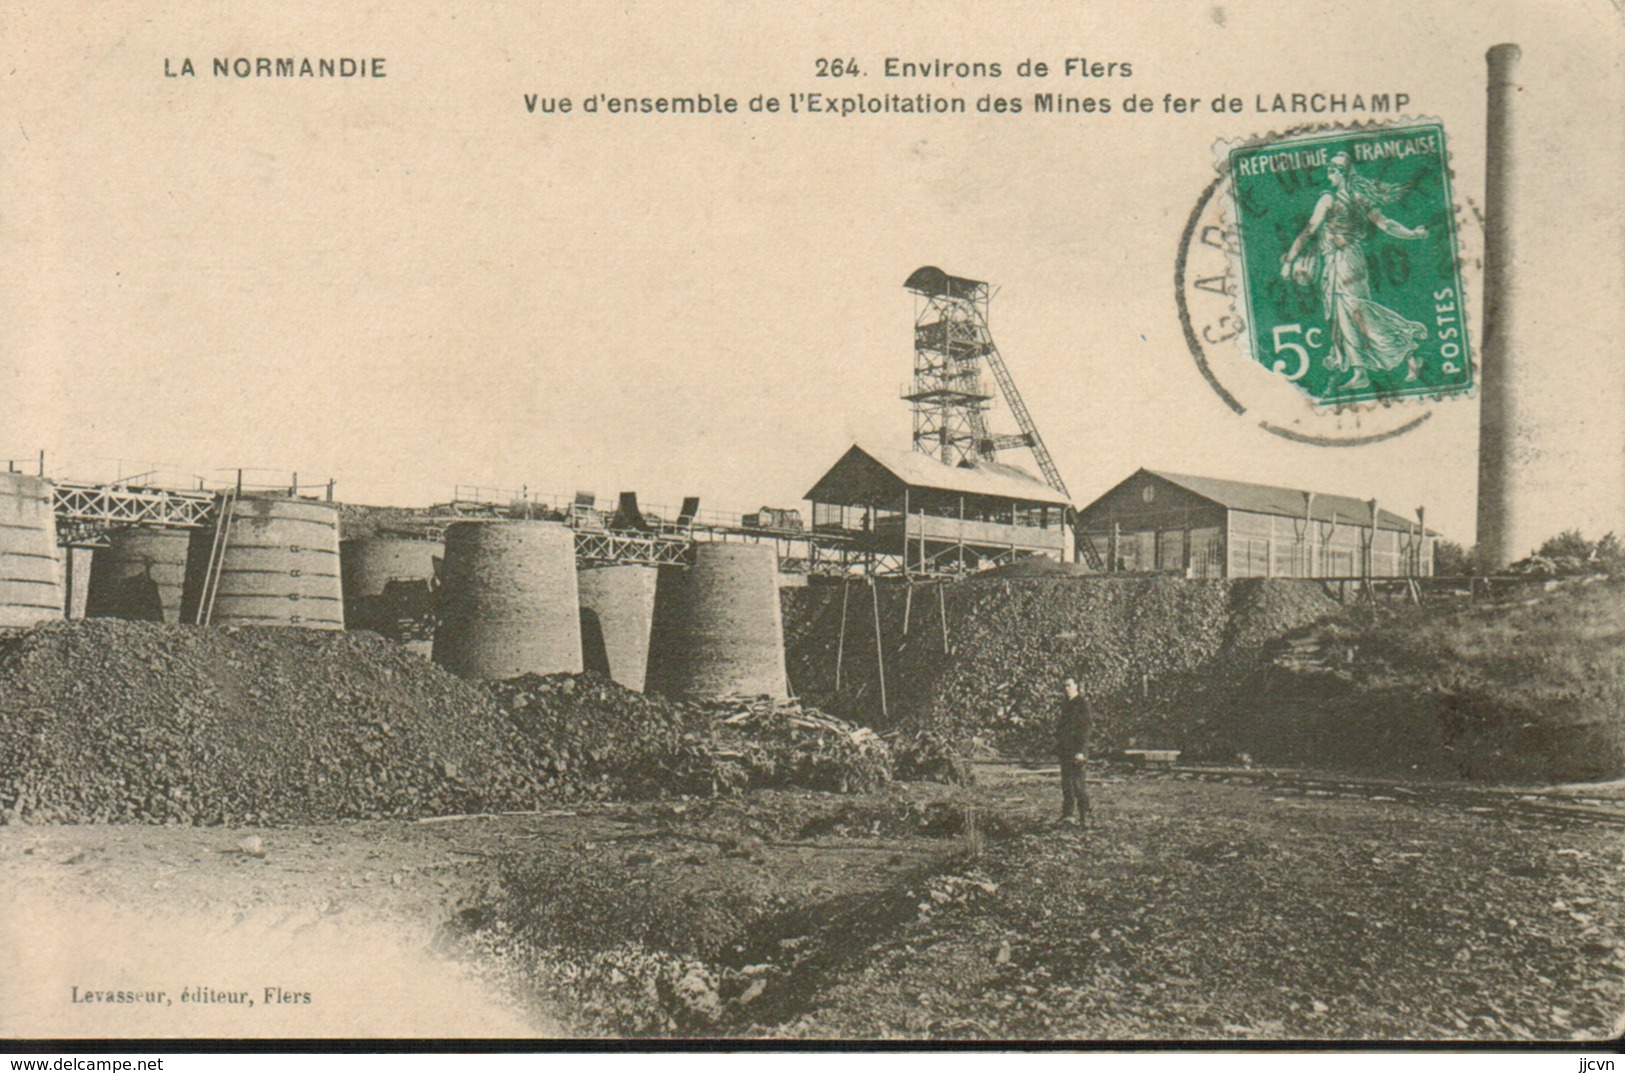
{"x":1349,"y":263}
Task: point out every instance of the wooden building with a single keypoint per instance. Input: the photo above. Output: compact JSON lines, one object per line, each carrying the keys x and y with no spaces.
{"x":1203,"y":527}
{"x":907,"y":513}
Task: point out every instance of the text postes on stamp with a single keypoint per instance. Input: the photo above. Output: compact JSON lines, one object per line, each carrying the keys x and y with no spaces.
{"x":1349,"y":263}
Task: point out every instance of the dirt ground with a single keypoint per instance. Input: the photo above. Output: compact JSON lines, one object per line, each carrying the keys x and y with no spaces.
{"x":1237,"y":905}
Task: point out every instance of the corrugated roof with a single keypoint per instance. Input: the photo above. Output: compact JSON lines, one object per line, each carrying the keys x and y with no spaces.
{"x":920,"y":471}
{"x":1288,"y":502}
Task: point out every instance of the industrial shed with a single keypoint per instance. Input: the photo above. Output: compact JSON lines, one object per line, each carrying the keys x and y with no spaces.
{"x":1204,"y":527}
{"x":916,"y":515}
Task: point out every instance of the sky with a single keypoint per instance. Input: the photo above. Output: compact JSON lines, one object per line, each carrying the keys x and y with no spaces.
{"x":413,"y":283}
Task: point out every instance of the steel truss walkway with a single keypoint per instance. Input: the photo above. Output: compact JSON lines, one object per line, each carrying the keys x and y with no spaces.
{"x":115,"y":505}
{"x":84,"y":513}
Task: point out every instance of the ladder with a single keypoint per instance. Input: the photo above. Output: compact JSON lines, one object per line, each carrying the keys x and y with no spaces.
{"x":1082,"y":544}
{"x":224,"y":510}
{"x":1028,"y":436}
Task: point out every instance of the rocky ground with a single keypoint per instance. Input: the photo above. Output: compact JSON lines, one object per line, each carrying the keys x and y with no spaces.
{"x":277,"y":833}
{"x":1202,"y":905}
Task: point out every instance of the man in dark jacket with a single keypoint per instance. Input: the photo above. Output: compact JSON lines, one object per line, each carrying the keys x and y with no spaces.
{"x":1072,"y":745}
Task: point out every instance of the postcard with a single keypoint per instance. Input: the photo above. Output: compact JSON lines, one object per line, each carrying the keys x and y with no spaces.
{"x":521,"y":521}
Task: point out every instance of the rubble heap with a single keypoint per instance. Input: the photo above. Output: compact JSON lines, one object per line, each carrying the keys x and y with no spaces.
{"x":1148,"y":650}
{"x":1530,"y":690}
{"x":625,"y":745}
{"x":105,"y":721}
{"x":108,"y":721}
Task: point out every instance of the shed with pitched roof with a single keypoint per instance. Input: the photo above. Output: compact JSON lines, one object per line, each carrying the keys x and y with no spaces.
{"x":1207,"y":527}
{"x":938,"y":518}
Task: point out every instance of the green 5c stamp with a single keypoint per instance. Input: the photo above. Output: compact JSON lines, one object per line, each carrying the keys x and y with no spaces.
{"x":1349,"y":263}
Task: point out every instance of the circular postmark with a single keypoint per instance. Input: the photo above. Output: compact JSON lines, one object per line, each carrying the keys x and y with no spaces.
{"x":1210,"y":281}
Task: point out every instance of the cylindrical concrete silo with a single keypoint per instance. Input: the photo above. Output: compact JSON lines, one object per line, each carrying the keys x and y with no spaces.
{"x":721,"y":631}
{"x":30,"y":574}
{"x":508,"y":601}
{"x":389,"y":583}
{"x":139,"y":575}
{"x":617,"y":614}
{"x":280,"y":566}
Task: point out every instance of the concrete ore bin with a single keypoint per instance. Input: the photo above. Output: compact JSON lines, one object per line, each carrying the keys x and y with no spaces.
{"x":617,"y":615}
{"x":140,"y":575}
{"x":719,"y":629}
{"x":389,"y":588}
{"x":509,"y":604}
{"x":30,"y":573}
{"x":280,"y":567}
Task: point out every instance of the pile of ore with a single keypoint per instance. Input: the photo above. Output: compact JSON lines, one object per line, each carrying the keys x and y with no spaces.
{"x":105,"y":721}
{"x":110,"y":721}
{"x":1153,"y":653}
{"x":611,"y":742}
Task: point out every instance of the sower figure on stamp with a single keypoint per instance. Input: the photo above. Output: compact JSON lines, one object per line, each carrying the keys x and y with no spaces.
{"x":1072,"y":745}
{"x":1365,"y":335}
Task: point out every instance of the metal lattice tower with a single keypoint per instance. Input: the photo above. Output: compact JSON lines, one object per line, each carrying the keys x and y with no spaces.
{"x":952,"y":341}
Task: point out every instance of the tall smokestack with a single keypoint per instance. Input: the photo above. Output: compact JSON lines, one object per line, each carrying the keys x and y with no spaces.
{"x":1505,"y":494}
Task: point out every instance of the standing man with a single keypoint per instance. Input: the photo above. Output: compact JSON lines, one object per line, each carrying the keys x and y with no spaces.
{"x":1072,"y":744}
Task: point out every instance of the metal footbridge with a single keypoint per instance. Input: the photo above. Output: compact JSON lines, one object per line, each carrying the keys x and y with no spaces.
{"x":86,"y":511}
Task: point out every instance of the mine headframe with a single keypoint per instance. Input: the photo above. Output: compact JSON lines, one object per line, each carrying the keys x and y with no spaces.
{"x":950,"y":399}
